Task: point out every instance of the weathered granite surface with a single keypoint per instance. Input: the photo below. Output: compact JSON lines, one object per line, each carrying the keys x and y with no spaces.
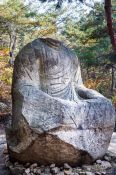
{"x":54,"y":117}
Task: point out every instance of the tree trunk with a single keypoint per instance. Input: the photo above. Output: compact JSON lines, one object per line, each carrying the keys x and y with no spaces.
{"x":112,"y":85}
{"x":108,"y":12}
{"x":12,"y":48}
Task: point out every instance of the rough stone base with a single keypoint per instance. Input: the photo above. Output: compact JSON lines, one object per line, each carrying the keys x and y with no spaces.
{"x":47,"y":149}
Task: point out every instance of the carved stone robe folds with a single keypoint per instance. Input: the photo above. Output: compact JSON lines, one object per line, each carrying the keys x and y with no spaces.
{"x":54,"y":117}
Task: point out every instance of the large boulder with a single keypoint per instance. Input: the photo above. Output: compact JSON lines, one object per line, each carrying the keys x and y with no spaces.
{"x":54,"y":117}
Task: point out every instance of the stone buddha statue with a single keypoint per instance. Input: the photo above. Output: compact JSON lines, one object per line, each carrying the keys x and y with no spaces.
{"x":55,"y":118}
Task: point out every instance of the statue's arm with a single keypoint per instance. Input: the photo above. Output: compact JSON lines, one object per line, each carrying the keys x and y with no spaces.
{"x":81,"y":90}
{"x":86,"y":93}
{"x":41,"y":110}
